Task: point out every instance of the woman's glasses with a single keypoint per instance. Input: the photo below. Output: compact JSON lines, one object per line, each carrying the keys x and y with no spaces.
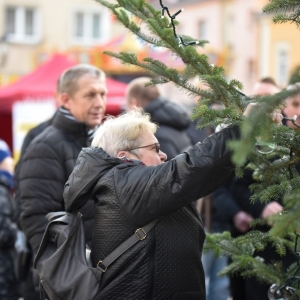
{"x":157,"y":147}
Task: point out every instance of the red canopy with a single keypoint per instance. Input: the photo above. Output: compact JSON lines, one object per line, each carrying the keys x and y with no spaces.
{"x":40,"y":84}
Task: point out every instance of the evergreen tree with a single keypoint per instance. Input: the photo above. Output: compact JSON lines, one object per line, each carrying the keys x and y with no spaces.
{"x":270,"y":150}
{"x":295,"y":75}
{"x":284,"y":11}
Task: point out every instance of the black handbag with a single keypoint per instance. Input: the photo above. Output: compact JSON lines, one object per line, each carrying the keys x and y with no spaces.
{"x":63,"y":260}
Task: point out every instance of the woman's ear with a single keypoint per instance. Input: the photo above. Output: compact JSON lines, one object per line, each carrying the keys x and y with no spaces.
{"x":121,"y":154}
{"x":127,"y":154}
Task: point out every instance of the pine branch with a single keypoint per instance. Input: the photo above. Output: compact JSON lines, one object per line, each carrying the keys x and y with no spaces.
{"x":242,"y":250}
{"x":285,"y":10}
{"x":162,"y":36}
{"x":278,"y":6}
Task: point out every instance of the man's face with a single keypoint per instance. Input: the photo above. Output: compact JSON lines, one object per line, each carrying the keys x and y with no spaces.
{"x":88,"y":104}
{"x":292,"y":109}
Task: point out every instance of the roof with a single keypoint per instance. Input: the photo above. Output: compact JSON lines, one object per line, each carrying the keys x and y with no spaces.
{"x":41,"y":84}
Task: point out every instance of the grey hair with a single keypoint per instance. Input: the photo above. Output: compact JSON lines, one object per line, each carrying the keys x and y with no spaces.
{"x":67,"y":82}
{"x":293,"y":87}
{"x":124,"y":132}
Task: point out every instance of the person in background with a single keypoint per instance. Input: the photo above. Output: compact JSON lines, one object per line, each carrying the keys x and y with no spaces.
{"x":265,"y":86}
{"x":51,"y":156}
{"x":23,"y":259}
{"x":172,"y":119}
{"x":251,"y":288}
{"x":292,"y":107}
{"x":30,"y":136}
{"x":8,"y":229}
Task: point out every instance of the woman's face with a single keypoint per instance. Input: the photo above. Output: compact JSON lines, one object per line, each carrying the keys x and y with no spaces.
{"x":147,"y":151}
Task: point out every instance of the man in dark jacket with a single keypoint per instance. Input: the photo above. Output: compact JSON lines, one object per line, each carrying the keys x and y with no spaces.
{"x":24,"y":259}
{"x":234,"y":206}
{"x":131,"y":184}
{"x":51,"y":156}
{"x":172,"y":120}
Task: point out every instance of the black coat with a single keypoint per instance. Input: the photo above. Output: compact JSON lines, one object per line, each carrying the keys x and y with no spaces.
{"x":31,"y":135}
{"x":46,"y":166}
{"x":173,"y":121}
{"x":8,"y":232}
{"x":167,"y":263}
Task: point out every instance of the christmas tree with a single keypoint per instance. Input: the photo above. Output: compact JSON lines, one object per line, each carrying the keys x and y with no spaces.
{"x":272,"y":151}
{"x":295,"y":75}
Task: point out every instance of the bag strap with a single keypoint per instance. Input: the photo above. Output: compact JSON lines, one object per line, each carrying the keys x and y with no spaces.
{"x":139,"y":235}
{"x":54,"y":215}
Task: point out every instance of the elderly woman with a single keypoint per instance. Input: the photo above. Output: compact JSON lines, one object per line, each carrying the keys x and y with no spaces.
{"x":124,"y":172}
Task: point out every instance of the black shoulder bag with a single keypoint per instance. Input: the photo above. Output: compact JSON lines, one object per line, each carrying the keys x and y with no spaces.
{"x":63,"y":260}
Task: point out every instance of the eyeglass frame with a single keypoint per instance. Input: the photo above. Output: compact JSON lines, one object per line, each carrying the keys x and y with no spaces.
{"x":157,"y":147}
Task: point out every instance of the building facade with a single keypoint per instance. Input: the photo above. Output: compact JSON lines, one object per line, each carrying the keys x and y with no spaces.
{"x":279,"y":48}
{"x":242,"y":38}
{"x":32,"y":30}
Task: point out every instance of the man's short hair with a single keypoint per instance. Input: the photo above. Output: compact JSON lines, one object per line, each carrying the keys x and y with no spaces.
{"x":293,"y":87}
{"x":143,"y":94}
{"x":266,"y":86}
{"x":67,"y":82}
{"x":269,"y":80}
{"x":124,"y":132}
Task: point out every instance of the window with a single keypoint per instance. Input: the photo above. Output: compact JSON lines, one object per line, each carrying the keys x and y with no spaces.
{"x":89,"y":27}
{"x":202,"y":30}
{"x":282,"y":63}
{"x":283,"y":66}
{"x":22,"y":24}
{"x":79,"y":25}
{"x":251,"y":69}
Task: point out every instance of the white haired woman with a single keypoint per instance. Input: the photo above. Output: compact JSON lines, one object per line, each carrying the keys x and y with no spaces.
{"x":124,"y":172}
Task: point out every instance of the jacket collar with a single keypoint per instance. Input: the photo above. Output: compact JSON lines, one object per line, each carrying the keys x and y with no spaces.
{"x":66,"y":122}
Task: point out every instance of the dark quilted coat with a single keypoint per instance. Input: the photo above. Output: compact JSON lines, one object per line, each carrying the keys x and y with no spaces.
{"x":8,"y":233}
{"x":166,"y":265}
{"x":46,"y":166}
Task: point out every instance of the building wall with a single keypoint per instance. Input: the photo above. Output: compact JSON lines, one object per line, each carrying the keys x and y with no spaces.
{"x":56,"y":26}
{"x":250,"y":46}
{"x":231,"y":32}
{"x":278,"y":49}
{"x":283,"y":51}
{"x":241,"y":39}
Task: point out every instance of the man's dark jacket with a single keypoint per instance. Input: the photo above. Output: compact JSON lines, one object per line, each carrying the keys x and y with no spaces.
{"x":31,"y":135}
{"x":128,"y":195}
{"x":173,"y":121}
{"x":46,"y":166}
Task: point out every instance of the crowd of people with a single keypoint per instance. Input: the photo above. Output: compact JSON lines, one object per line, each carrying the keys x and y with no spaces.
{"x":148,"y":163}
